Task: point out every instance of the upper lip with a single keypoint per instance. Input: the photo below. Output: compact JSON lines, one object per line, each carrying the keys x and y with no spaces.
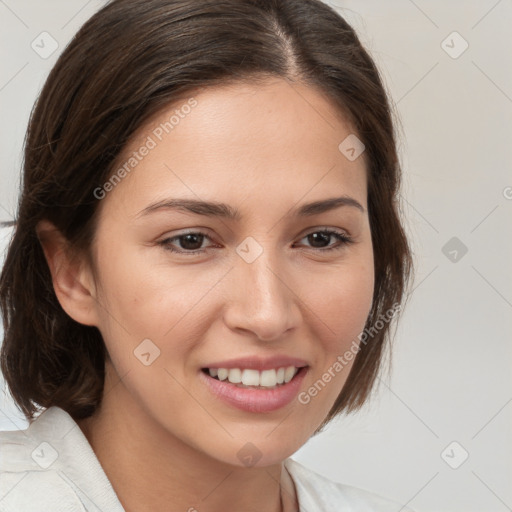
{"x":259,"y":363}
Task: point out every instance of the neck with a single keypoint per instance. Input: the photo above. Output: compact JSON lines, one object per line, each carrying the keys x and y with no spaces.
{"x":152,"y":469}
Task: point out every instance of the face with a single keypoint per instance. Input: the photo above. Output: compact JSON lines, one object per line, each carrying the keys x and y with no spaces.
{"x":256,"y":282}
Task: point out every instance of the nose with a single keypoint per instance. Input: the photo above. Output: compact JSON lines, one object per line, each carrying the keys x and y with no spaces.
{"x":262,"y":300}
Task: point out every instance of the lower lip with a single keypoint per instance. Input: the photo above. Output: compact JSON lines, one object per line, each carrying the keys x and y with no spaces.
{"x":255,"y":400}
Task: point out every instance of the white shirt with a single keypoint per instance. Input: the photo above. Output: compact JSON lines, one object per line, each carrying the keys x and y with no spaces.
{"x":51,"y":467}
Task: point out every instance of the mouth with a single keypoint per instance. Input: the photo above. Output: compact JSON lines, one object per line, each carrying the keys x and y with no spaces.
{"x":252,"y":390}
{"x":254,"y":379}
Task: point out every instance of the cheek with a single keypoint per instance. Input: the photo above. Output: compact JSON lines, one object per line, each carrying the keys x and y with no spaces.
{"x":340,"y":308}
{"x":355,"y":298}
{"x":343,"y":302}
{"x":147,"y":300}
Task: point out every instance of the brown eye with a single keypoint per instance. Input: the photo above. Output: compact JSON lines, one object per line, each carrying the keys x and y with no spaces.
{"x":320,"y":239}
{"x":188,"y":243}
{"x":191,"y":242}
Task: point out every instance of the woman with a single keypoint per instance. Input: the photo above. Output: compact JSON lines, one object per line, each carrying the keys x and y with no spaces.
{"x":206,"y":260}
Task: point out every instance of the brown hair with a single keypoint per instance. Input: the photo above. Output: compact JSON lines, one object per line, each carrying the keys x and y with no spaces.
{"x":130,"y":60}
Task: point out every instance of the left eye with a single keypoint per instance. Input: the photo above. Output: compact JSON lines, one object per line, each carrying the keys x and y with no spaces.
{"x":188,"y":241}
{"x":191,"y":243}
{"x":326,"y":234}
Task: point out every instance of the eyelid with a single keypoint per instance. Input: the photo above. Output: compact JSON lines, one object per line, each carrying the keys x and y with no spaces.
{"x":165,"y":242}
{"x":317,"y":229}
{"x":343,"y":237}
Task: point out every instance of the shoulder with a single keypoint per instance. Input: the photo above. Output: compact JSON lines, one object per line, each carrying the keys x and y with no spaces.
{"x":47,"y":466}
{"x":31,"y":449}
{"x":26,"y":480}
{"x":317,"y":492}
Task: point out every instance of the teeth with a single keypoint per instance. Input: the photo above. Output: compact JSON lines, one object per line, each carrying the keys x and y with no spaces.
{"x":235,"y":375}
{"x":268,"y":378}
{"x":249,"y":377}
{"x":289,"y":373}
{"x":222,"y":374}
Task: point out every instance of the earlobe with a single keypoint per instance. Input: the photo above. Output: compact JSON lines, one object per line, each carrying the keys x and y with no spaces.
{"x":71,"y":277}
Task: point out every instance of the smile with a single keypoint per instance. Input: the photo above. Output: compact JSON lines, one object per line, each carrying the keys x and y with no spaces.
{"x":253,"y":378}
{"x":254,"y":391}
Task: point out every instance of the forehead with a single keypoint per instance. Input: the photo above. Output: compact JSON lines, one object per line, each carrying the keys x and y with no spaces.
{"x":273,"y":142}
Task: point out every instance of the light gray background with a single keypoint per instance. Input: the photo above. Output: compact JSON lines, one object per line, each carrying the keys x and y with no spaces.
{"x":451,"y":379}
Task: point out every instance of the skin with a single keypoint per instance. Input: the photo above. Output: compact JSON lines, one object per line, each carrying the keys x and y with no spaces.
{"x":264,"y":150}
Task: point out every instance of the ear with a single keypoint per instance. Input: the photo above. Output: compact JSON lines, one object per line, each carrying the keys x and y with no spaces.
{"x":72,"y":278}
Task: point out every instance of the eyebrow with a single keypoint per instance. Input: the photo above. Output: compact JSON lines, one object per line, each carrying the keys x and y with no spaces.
{"x":215,"y":209}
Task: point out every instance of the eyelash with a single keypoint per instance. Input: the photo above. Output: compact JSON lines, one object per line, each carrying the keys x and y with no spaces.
{"x":341,"y":237}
